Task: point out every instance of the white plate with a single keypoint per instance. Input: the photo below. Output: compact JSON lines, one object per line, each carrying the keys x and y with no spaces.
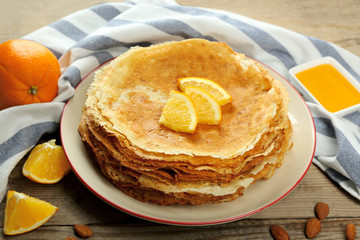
{"x":260,"y":196}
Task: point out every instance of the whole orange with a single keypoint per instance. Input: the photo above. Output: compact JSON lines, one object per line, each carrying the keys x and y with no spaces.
{"x":29,"y":73}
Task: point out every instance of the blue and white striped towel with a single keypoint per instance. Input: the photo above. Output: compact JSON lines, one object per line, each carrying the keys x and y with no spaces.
{"x":90,"y":37}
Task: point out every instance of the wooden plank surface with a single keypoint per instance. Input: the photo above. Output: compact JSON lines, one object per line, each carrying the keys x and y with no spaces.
{"x":335,"y":21}
{"x":331,"y":20}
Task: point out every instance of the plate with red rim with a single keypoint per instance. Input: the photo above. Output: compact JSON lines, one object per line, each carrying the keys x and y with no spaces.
{"x":261,"y":195}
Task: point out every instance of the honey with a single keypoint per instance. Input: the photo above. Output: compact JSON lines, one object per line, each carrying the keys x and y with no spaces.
{"x":329,"y":87}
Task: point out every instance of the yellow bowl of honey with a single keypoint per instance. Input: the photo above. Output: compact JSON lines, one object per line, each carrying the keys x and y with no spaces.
{"x":326,"y":82}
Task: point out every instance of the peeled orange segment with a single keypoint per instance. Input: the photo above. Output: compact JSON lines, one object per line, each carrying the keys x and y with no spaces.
{"x":24,"y":213}
{"x":46,"y":163}
{"x":179,"y":113}
{"x":208,"y":110}
{"x":214,"y":89}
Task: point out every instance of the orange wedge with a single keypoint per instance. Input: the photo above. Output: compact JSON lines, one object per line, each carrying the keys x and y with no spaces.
{"x":46,"y":163}
{"x":208,"y":110}
{"x":214,"y":89}
{"x":179,"y":113}
{"x":24,"y":213}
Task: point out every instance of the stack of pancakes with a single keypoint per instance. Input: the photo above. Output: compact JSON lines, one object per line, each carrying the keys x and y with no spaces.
{"x":120,"y":124}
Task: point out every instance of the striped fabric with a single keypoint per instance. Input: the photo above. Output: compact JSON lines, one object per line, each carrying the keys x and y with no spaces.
{"x":85,"y":39}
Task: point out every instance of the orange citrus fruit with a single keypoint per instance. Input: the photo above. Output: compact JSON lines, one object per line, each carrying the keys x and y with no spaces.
{"x":29,"y":73}
{"x":46,"y":163}
{"x":179,"y":113}
{"x":208,"y":110}
{"x":24,"y":213}
{"x":214,"y":89}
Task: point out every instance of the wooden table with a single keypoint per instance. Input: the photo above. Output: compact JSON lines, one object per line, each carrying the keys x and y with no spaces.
{"x":332,"y":20}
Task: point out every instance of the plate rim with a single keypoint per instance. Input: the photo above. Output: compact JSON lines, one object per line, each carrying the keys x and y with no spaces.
{"x":191,"y":223}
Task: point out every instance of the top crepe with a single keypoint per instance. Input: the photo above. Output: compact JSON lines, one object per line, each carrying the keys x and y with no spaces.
{"x":128,"y":95}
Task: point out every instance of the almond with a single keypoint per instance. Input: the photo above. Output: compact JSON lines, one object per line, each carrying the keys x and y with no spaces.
{"x":83,"y":230}
{"x":279,"y":233}
{"x":350,"y":231}
{"x":313,"y":227}
{"x":321,"y":210}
